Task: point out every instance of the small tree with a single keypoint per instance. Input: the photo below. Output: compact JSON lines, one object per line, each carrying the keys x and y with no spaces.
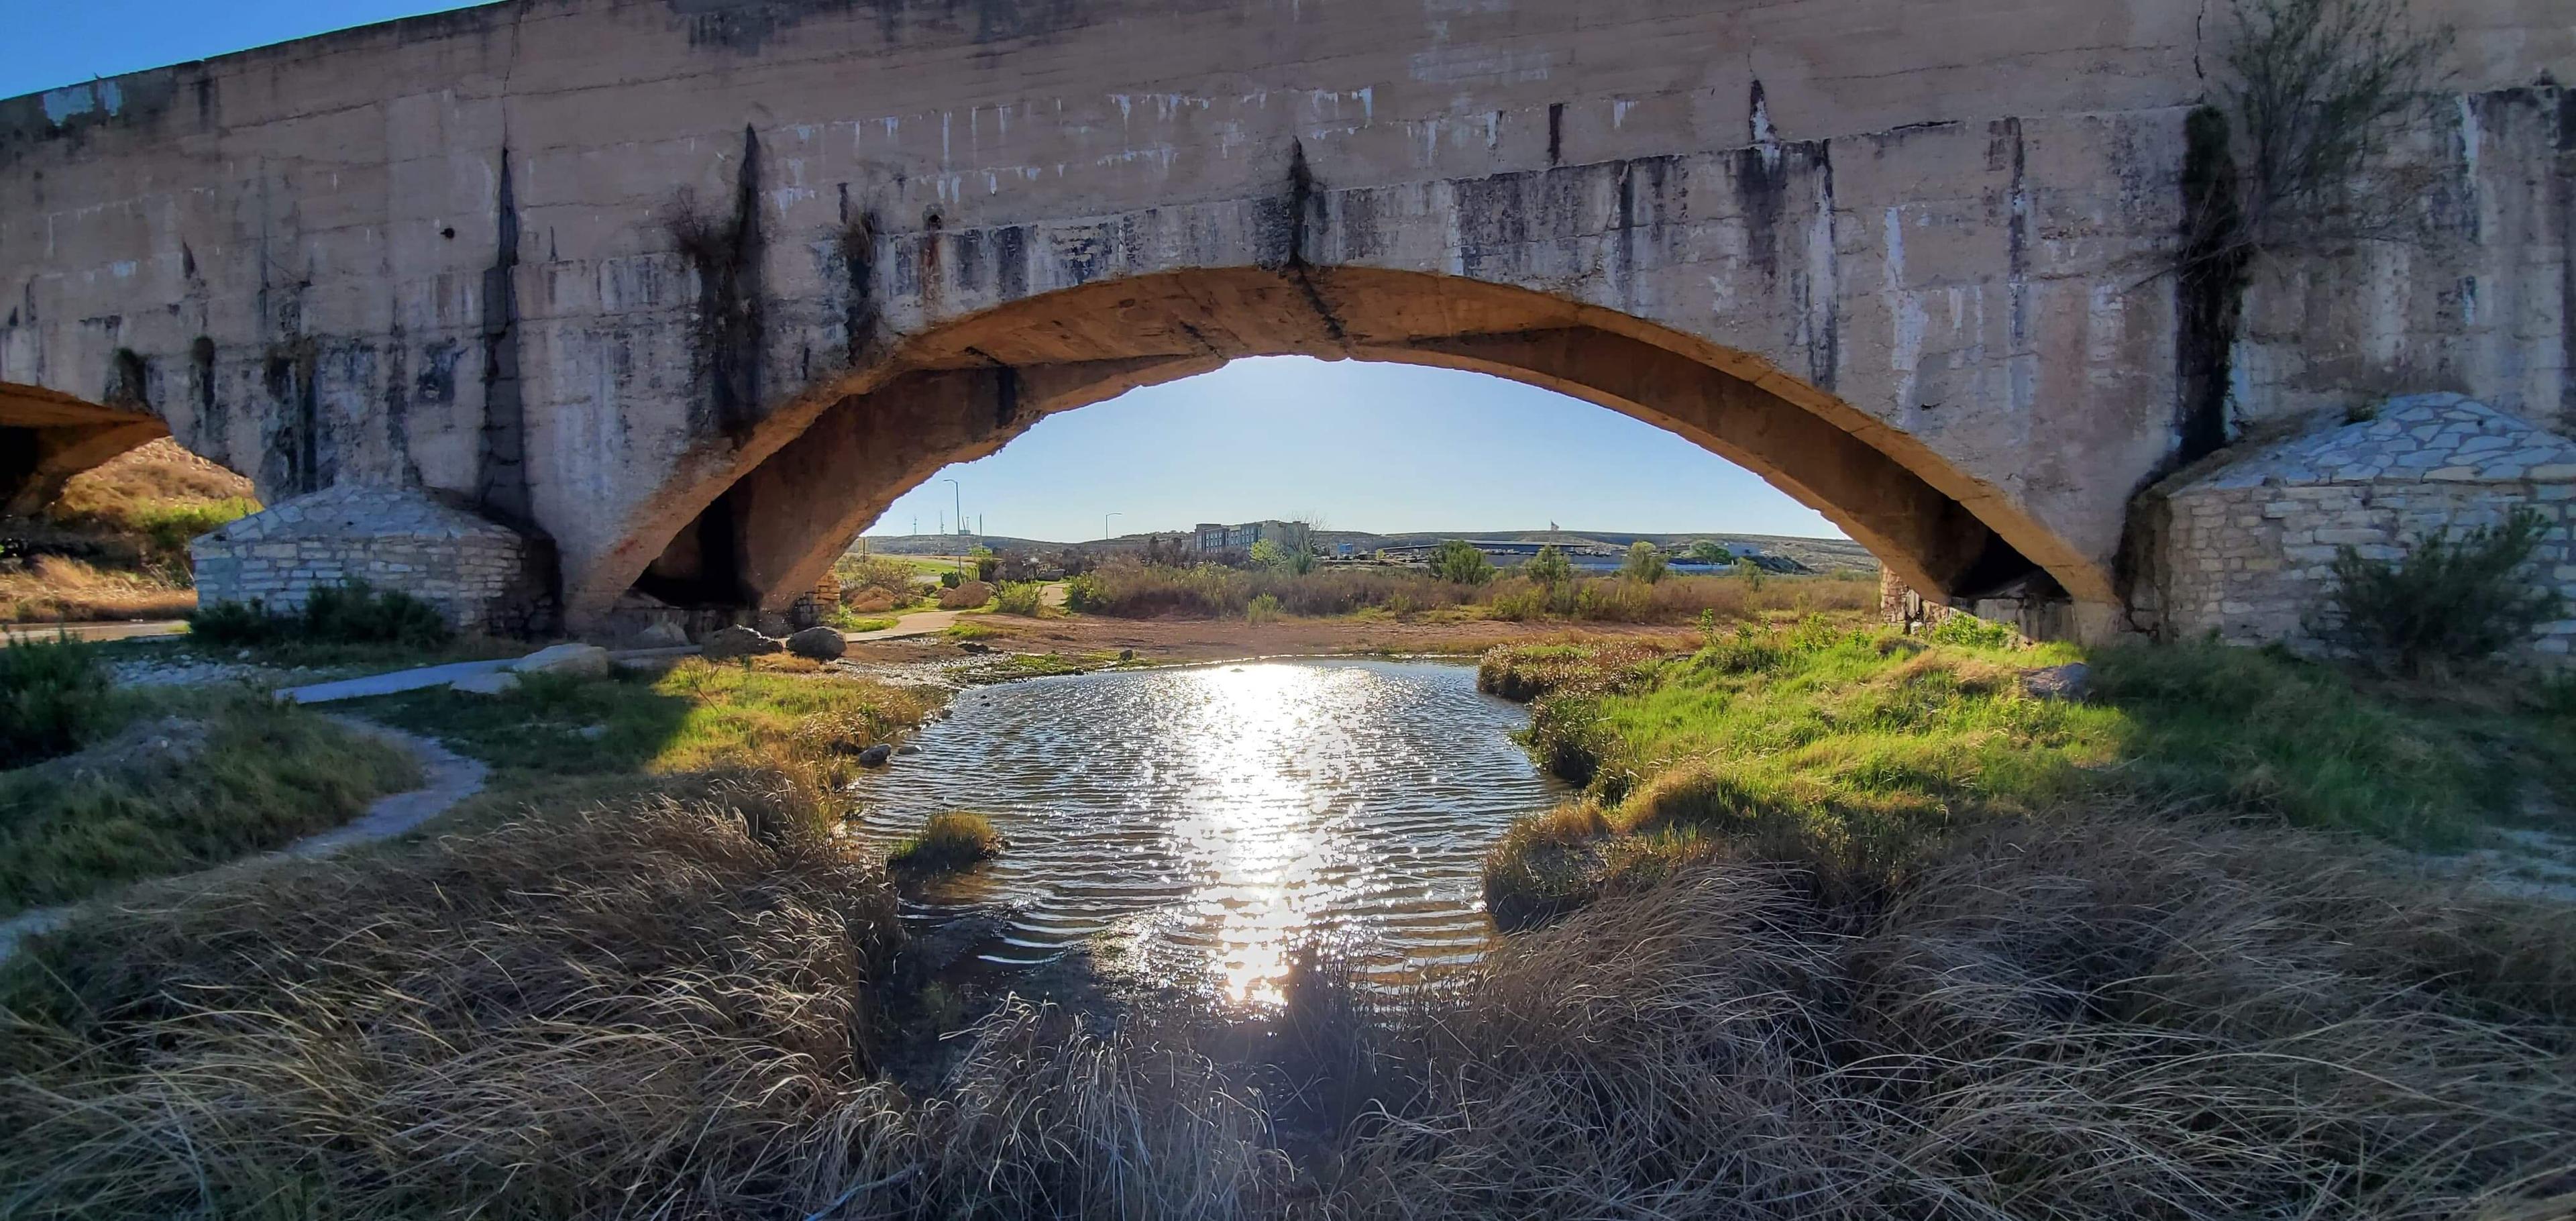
{"x":2445,"y":601}
{"x":1267,"y":553}
{"x":2313,"y":88}
{"x":1549,"y":567}
{"x":1645,"y":563}
{"x":1707,"y":552}
{"x":1459,"y":563}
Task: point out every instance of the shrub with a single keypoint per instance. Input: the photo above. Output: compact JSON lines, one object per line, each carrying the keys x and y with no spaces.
{"x":1706,"y":551}
{"x":2445,"y":601}
{"x":167,"y":529}
{"x":350,"y":613}
{"x":986,"y":563}
{"x":948,"y":843}
{"x":1459,"y":563}
{"x":1264,"y":608}
{"x":1967,"y":630}
{"x":1084,"y":594}
{"x":1645,"y":563}
{"x":951,"y":580}
{"x":53,"y":695}
{"x":1020,"y":598}
{"x":1132,"y":590}
{"x":876,"y":582}
{"x":1549,"y":568}
{"x":355,"y":613}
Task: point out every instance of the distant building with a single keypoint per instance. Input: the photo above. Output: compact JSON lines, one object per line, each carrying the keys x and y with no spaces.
{"x":1214,"y":538}
{"x":1509,"y":552}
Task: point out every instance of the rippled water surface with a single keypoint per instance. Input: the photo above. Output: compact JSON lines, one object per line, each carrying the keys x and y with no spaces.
{"x":1213,"y":817}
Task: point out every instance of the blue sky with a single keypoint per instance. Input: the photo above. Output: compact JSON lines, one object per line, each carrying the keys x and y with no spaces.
{"x":1387,"y":448}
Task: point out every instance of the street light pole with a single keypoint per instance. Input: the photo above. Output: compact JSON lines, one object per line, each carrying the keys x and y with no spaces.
{"x":957,"y":497}
{"x":1104,"y":524}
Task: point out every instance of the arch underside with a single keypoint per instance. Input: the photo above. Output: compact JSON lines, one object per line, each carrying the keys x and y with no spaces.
{"x":46,"y":437}
{"x":764,"y":532}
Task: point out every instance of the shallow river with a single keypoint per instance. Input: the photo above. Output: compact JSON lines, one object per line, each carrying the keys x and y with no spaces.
{"x":1211,"y":818}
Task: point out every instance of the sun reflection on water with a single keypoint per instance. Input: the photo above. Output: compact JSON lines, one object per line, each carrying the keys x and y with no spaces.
{"x":1220,"y":816}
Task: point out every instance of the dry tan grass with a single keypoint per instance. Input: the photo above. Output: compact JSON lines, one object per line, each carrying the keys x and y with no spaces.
{"x":59,"y":590}
{"x":668,"y":1009}
{"x":660,"y":1009}
{"x":2103,"y":1020}
{"x":156,"y":472}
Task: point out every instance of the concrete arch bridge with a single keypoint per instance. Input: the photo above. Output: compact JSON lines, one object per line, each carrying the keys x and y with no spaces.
{"x":662,"y":300}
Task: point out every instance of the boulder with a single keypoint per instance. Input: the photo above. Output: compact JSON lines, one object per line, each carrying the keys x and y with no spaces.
{"x":876,"y":756}
{"x":2066,"y":682}
{"x":819,"y":643}
{"x":907,"y":749}
{"x":966,"y":596}
{"x":868,"y":601}
{"x":575,"y":660}
{"x":661,"y":634}
{"x":737,"y":641}
{"x":498,"y":682}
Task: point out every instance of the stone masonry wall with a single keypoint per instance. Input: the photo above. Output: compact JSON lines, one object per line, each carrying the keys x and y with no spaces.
{"x":2248,"y":548}
{"x":482,"y":576}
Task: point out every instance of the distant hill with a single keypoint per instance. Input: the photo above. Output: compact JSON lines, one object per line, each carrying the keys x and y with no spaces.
{"x":1820,"y":554}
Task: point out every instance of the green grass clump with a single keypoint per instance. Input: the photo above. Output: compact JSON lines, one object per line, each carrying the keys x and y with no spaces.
{"x":53,"y":695}
{"x":351,"y":613}
{"x":1861,"y":748}
{"x":846,"y":620}
{"x":948,"y":843}
{"x":258,"y":776}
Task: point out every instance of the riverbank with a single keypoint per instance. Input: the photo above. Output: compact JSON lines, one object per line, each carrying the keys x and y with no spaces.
{"x":643,"y":974}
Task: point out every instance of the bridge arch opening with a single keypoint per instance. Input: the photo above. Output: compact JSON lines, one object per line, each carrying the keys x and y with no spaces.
{"x":761,"y":526}
{"x":47,"y":437}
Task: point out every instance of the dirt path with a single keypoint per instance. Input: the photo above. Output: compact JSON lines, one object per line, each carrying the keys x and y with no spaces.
{"x":930,"y":623}
{"x":141,"y":630}
{"x":450,"y":778}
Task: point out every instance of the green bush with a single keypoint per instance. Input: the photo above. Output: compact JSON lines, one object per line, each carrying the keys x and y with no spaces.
{"x":1020,"y":598}
{"x":167,"y":529}
{"x":1973,"y":632}
{"x":951,"y":579}
{"x":1263,"y":609}
{"x":1549,"y":568}
{"x":1459,"y":563}
{"x":1645,"y":563}
{"x":53,"y":694}
{"x":1083,"y":594}
{"x":351,"y":613}
{"x":2444,"y":601}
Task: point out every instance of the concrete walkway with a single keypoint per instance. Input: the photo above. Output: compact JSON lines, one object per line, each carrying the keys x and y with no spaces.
{"x":450,"y":778}
{"x":399,"y":681}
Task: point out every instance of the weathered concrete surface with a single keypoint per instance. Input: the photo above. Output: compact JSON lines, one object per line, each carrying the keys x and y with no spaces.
{"x":696,"y":286}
